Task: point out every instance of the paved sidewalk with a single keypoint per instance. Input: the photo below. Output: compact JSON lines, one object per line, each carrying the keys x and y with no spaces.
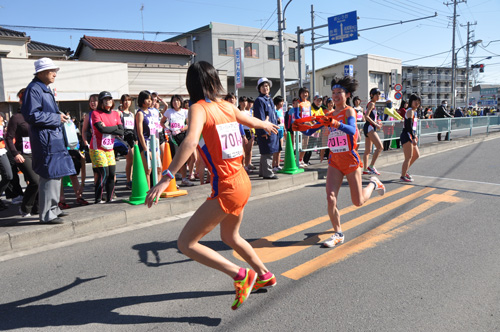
{"x":18,"y":233}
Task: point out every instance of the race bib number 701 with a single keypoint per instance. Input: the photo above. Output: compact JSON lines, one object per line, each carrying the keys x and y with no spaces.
{"x":230,"y":140}
{"x":337,"y":141}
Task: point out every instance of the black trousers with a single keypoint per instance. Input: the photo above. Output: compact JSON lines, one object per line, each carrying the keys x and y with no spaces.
{"x":5,"y":172}
{"x":14,"y":188}
{"x":30,"y":199}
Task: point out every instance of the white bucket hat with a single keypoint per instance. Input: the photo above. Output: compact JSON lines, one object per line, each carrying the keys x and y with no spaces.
{"x":264,"y":80}
{"x":44,"y":64}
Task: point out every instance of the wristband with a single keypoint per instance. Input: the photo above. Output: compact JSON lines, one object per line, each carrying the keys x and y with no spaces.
{"x":168,"y":173}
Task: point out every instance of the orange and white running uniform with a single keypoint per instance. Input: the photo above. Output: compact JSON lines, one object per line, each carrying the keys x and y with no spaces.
{"x":343,"y":155}
{"x":221,"y":147}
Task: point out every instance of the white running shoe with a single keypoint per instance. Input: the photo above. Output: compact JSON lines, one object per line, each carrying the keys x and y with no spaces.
{"x":334,"y":240}
{"x":186,"y":183}
{"x":373,"y":170}
{"x":379,"y":186}
{"x":24,"y":214}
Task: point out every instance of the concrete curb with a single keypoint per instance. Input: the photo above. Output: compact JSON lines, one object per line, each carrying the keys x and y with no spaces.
{"x":86,"y":220}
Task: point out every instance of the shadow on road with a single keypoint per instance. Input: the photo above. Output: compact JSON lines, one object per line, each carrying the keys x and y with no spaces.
{"x":22,"y":314}
{"x":143,"y":250}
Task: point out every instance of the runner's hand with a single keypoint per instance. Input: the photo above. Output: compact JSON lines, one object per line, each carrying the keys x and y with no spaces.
{"x":270,"y":128}
{"x":154,"y":193}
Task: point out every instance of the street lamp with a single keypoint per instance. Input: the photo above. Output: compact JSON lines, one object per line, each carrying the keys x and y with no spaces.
{"x":487,"y":58}
{"x":454,"y":76}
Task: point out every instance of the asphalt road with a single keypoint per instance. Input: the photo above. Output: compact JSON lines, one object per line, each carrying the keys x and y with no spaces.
{"x":424,"y":257}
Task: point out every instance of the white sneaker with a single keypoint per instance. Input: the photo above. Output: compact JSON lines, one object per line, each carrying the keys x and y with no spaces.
{"x":17,"y":200}
{"x":334,"y":240}
{"x":379,"y":186}
{"x":302,"y":164}
{"x":275,"y":169}
{"x":186,"y":183}
{"x":24,"y":214}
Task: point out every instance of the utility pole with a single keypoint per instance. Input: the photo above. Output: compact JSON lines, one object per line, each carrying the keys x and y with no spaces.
{"x":313,"y":75}
{"x":467,"y":59}
{"x":282,"y":53}
{"x":453,"y":58}
{"x":299,"y":47}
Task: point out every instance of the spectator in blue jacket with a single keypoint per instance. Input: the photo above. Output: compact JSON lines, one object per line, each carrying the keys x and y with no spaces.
{"x":263,"y":109}
{"x":51,"y":160}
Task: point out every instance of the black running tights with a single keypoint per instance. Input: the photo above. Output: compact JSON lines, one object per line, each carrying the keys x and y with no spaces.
{"x":105,"y":179}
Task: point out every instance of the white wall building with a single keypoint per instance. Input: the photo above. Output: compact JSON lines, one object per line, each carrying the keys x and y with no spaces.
{"x":433,"y":84}
{"x":216,"y":42}
{"x":371,"y":71}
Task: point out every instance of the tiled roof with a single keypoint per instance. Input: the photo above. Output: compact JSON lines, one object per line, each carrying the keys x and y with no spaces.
{"x":37,"y":46}
{"x":11,"y":33}
{"x":131,"y":45}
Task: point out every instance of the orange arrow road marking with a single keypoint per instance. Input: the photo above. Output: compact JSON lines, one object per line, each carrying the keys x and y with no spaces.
{"x":270,"y":253}
{"x":369,"y":239}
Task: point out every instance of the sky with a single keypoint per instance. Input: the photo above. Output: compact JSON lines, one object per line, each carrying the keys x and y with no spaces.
{"x":425,"y":42}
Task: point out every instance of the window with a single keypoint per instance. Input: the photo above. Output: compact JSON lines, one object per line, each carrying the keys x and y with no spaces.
{"x":293,"y":54}
{"x":377,"y":81}
{"x":273,"y":52}
{"x":226,"y":47}
{"x":251,"y":50}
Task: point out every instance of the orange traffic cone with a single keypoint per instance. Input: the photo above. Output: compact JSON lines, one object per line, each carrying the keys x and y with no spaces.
{"x":171,"y":190}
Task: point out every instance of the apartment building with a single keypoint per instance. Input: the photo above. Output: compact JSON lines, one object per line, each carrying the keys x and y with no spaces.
{"x":433,"y":84}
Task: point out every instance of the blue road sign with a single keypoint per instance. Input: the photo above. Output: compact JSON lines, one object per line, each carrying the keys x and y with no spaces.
{"x":348,"y":70}
{"x":342,"y":28}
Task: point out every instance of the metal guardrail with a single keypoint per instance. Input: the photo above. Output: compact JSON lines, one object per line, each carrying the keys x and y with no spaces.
{"x":392,"y":129}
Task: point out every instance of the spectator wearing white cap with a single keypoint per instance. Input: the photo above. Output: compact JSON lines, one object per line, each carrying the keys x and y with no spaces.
{"x":51,"y":160}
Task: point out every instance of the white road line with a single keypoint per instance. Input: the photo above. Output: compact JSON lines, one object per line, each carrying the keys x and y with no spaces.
{"x":449,"y":179}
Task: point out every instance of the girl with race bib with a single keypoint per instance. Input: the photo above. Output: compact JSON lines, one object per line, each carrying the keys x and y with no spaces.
{"x":372,"y":124}
{"x":129,"y":135}
{"x":343,"y":159}
{"x":176,"y":116}
{"x":216,"y":122}
{"x":106,"y":124}
{"x":304,"y":110}
{"x":145,"y":128}
{"x":17,"y":139}
{"x":409,"y":138}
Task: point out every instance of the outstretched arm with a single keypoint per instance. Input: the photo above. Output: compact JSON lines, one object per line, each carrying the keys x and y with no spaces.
{"x":253,"y":122}
{"x":197,"y":119}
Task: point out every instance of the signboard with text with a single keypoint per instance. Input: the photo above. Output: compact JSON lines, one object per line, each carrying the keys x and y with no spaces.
{"x":239,"y":79}
{"x":342,"y":28}
{"x":348,"y":70}
{"x":489,"y":92}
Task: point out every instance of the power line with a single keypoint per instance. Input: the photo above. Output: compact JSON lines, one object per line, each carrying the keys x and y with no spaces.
{"x":91,"y":30}
{"x":391,"y":48}
{"x":427,"y":56}
{"x":337,"y":51}
{"x":488,"y":51}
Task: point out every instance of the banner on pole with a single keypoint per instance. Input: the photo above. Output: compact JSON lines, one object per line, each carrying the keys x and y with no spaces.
{"x":239,"y":79}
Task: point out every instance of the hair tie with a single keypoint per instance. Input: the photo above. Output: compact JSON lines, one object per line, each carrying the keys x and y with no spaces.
{"x":338,"y":86}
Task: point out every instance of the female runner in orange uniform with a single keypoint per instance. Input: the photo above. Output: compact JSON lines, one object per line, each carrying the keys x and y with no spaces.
{"x":216,"y":121}
{"x":343,"y":159}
